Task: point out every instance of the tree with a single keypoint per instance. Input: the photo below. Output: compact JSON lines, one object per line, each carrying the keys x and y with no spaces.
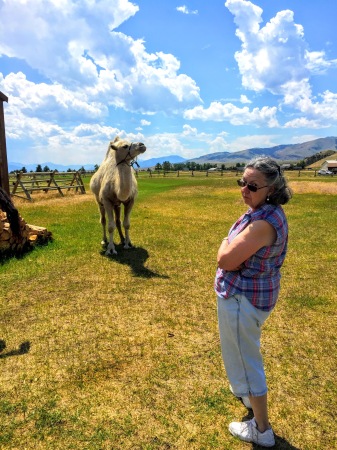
{"x":158,"y":166}
{"x":38,"y":168}
{"x":46,"y":169}
{"x":166,"y":166}
{"x":179,"y":166}
{"x":23,"y":170}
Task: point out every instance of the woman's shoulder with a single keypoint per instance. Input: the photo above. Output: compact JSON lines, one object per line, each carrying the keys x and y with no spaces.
{"x":274,"y":214}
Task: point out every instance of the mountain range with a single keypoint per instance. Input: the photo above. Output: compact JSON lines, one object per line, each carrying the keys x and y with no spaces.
{"x":285,"y":153}
{"x":173,"y":159}
{"x":60,"y":167}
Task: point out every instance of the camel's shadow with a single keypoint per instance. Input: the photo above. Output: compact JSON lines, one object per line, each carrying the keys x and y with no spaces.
{"x":135,"y":258}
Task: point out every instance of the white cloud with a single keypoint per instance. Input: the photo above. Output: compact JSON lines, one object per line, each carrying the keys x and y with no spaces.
{"x":49,"y":101}
{"x":62,"y":32}
{"x":275,"y":58}
{"x":183,"y":9}
{"x":88,"y":68}
{"x":145,"y":123}
{"x":219,"y":112}
{"x":317,"y":63}
{"x":80,"y":50}
{"x":303,"y":122}
{"x":244,"y":99}
{"x":299,"y":96}
{"x":189,"y":131}
{"x":272,"y":55}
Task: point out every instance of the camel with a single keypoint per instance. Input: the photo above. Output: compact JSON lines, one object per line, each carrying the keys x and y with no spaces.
{"x":115,"y":184}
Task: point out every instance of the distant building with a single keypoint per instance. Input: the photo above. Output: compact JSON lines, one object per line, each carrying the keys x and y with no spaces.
{"x":330,"y":165}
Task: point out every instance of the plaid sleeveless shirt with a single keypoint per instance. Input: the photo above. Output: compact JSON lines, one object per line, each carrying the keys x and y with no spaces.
{"x":259,"y":276}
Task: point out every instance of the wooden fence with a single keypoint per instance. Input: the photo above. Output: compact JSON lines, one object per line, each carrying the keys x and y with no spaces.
{"x":216,"y":173}
{"x":185,"y":173}
{"x":24,"y":184}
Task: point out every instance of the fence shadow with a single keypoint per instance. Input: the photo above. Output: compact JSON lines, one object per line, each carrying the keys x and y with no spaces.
{"x":22,"y":350}
{"x":135,"y":258}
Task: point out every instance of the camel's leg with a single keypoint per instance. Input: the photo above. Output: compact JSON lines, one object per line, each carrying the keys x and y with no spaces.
{"x":117,"y":209}
{"x":103,"y":223}
{"x":126,"y":222}
{"x":111,"y":228}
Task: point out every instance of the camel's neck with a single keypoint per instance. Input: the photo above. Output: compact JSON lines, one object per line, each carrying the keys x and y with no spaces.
{"x":125,"y":181}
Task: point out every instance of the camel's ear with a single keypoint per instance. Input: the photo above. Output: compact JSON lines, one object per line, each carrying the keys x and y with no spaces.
{"x":111,"y":145}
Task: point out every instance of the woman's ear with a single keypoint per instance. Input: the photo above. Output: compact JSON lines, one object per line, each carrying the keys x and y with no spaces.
{"x":271,"y":191}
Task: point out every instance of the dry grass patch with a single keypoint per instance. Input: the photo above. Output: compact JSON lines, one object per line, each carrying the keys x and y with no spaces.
{"x":314,"y":187}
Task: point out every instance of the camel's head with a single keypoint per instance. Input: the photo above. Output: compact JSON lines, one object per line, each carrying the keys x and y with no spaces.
{"x":126,"y":151}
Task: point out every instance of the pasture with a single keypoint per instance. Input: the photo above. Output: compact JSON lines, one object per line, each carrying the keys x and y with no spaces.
{"x":123,"y":352}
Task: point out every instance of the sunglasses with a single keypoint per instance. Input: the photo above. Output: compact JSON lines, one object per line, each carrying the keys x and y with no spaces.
{"x":251,"y":187}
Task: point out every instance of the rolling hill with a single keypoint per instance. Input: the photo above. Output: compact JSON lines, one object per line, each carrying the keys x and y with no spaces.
{"x":318,"y":164}
{"x":284,"y":153}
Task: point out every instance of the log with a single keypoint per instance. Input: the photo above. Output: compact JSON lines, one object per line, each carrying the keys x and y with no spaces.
{"x":30,"y":235}
{"x":5,"y":235}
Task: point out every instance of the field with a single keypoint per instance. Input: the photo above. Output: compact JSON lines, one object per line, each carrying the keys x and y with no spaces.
{"x":123,"y":352}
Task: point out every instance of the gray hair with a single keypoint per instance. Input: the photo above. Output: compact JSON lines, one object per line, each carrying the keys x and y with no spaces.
{"x":274,"y":177}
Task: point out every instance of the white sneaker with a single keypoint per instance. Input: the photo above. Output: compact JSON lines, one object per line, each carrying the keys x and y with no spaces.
{"x":245,"y":400}
{"x":248,"y":432}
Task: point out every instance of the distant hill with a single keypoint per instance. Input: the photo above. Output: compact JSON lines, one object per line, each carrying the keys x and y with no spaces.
{"x":173,"y":159}
{"x":61,"y":168}
{"x":318,"y":164}
{"x":284,"y":153}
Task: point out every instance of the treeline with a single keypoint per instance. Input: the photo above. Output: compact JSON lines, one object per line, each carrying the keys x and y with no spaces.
{"x":47,"y":169}
{"x":317,"y":156}
{"x":166,"y":166}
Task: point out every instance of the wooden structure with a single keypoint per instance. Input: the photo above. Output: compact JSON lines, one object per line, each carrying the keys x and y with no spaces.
{"x":4,"y":182}
{"x":25,"y":184}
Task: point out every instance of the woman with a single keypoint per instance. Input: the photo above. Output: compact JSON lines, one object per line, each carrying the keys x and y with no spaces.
{"x":247,"y":284}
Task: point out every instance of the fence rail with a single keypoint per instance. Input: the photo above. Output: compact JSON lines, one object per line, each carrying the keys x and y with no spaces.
{"x":24,"y":184}
{"x":215,"y":173}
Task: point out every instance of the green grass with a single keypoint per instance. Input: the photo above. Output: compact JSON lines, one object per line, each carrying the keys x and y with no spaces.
{"x":123,"y":352}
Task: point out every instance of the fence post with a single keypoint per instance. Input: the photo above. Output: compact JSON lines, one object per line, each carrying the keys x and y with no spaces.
{"x":4,"y":179}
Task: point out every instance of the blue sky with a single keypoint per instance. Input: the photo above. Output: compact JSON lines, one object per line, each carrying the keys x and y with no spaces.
{"x":186,"y":78}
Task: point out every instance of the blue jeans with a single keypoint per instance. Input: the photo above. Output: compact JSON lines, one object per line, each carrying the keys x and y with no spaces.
{"x":240,"y":331}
